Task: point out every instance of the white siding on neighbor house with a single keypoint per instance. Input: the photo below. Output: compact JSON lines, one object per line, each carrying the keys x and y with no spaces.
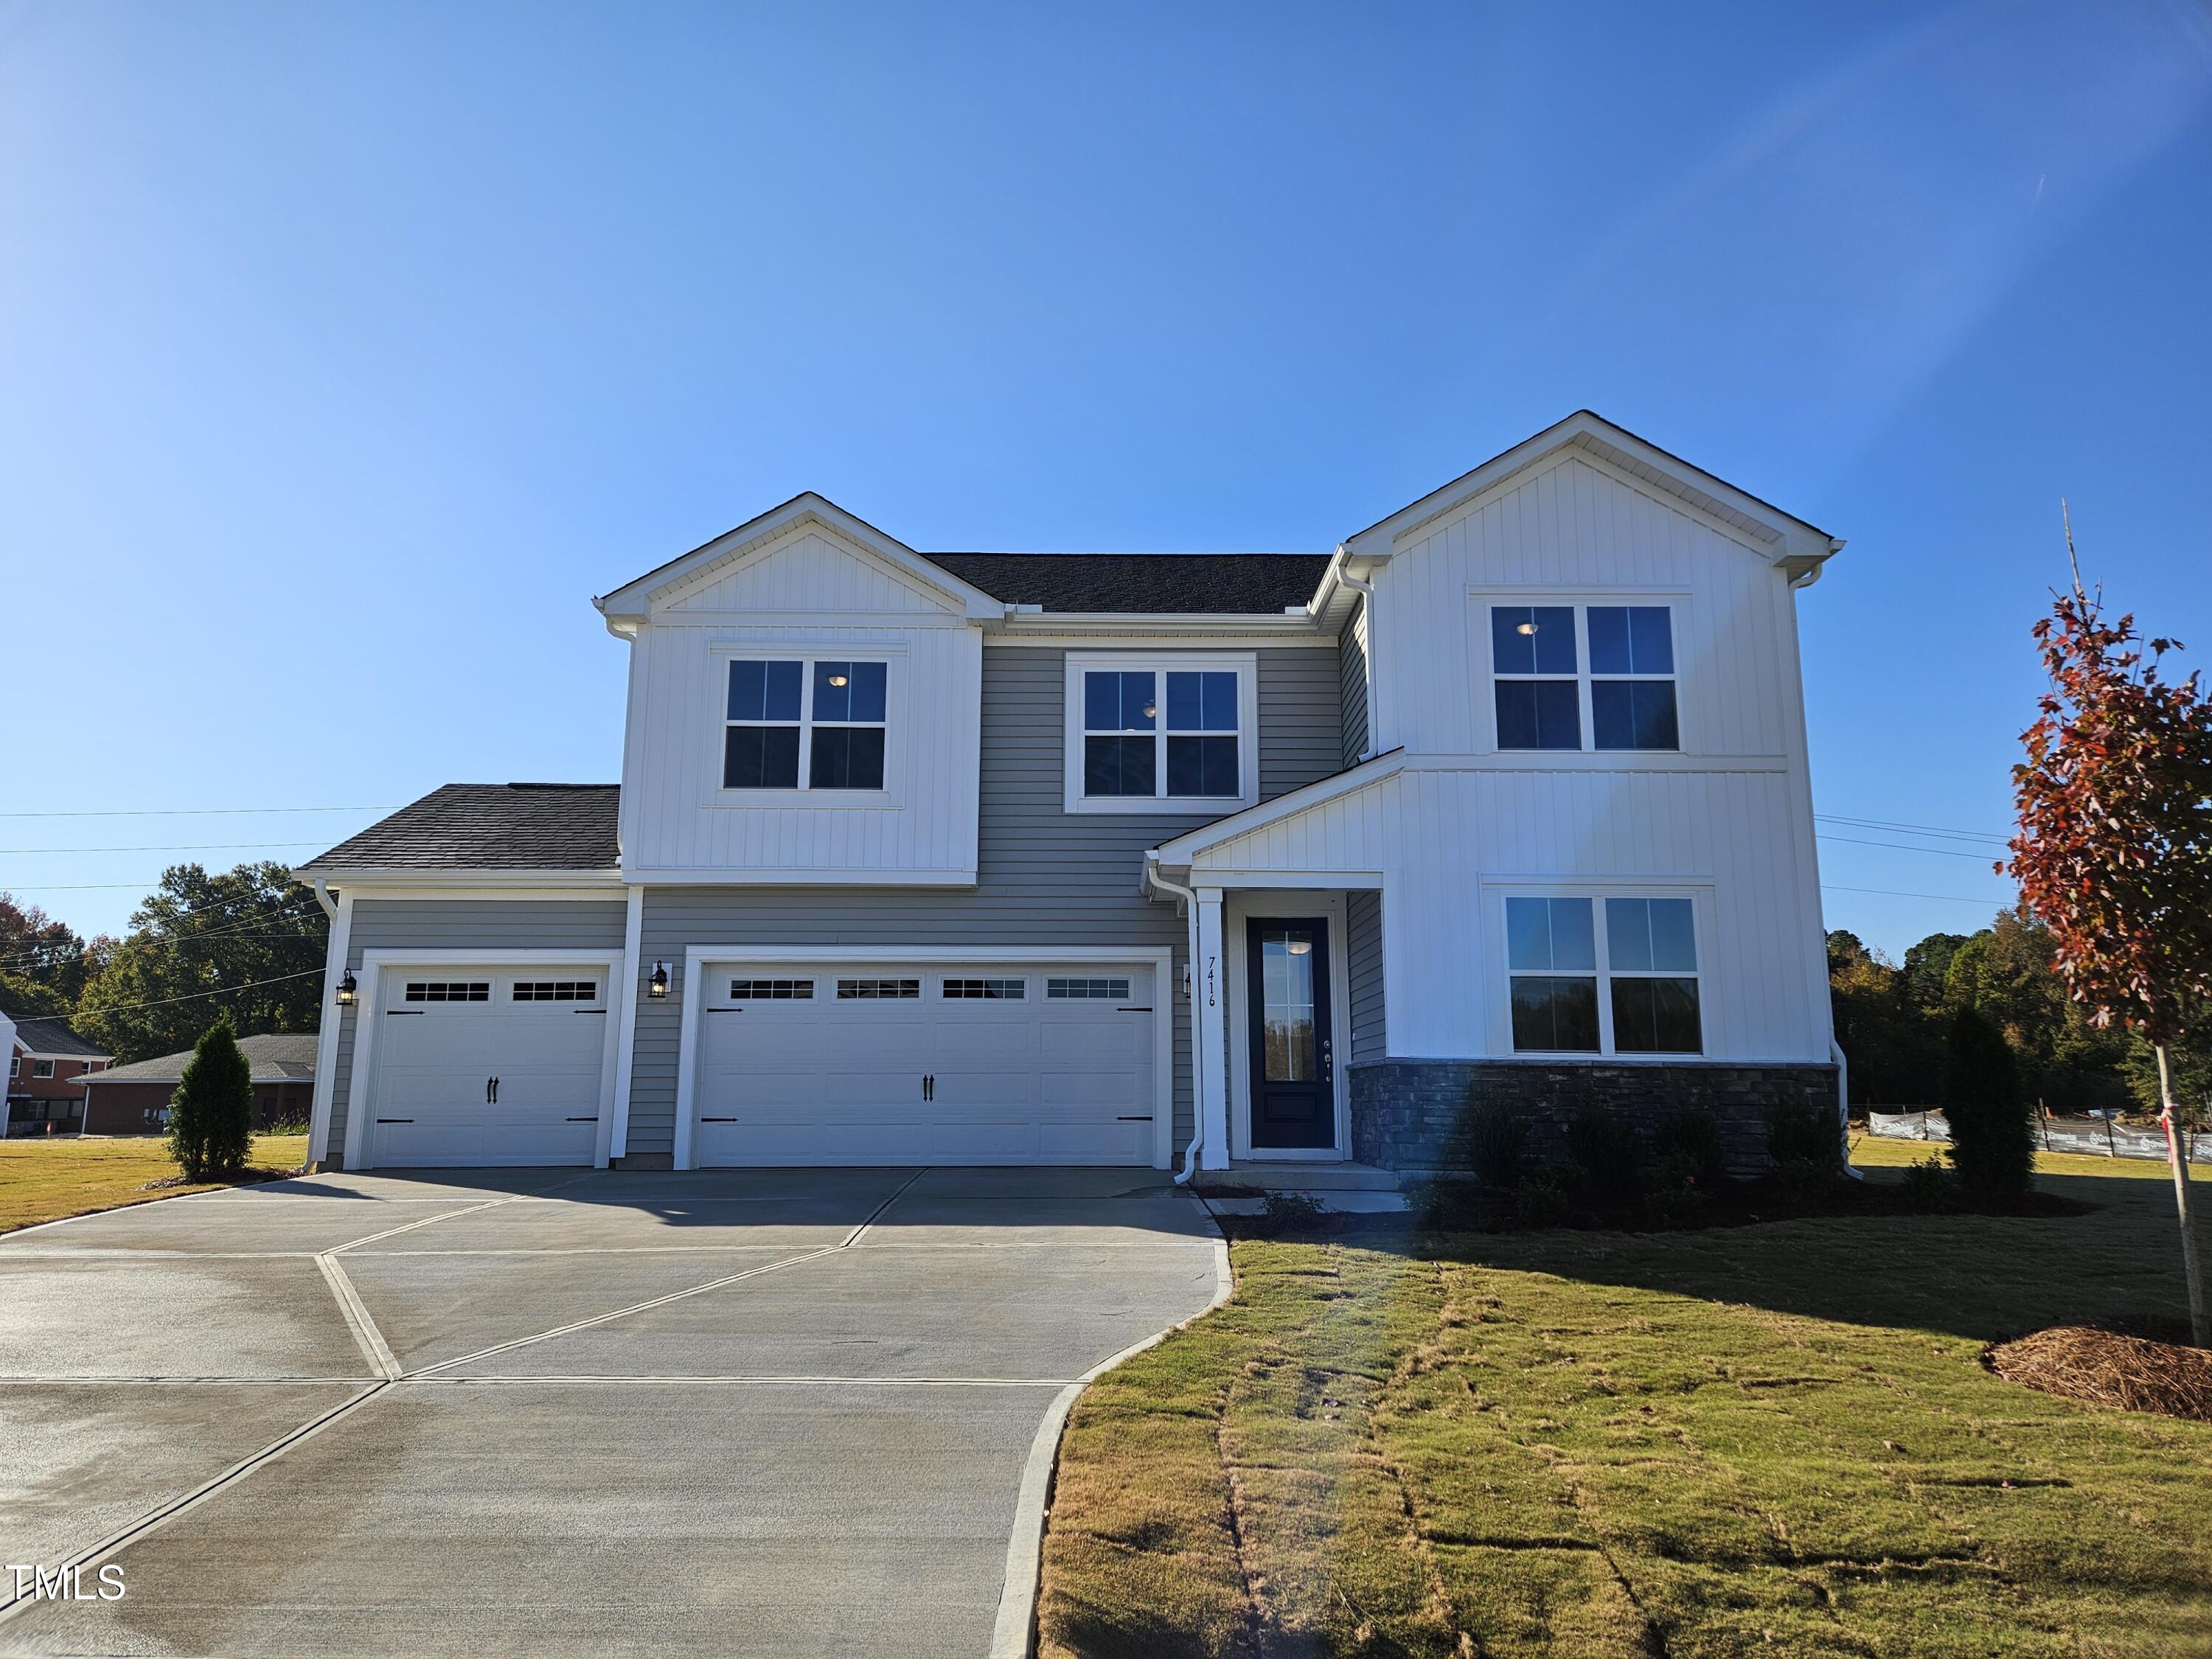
{"x":1572,"y":529}
{"x":812,"y":596}
{"x":1451,"y":839}
{"x":461,"y":924}
{"x":1047,"y":877}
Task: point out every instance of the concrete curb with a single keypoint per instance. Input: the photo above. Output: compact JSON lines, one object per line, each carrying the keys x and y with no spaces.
{"x":1014,"y":1635}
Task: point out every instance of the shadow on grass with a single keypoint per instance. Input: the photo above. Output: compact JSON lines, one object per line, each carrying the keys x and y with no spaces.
{"x":1985,"y":1277}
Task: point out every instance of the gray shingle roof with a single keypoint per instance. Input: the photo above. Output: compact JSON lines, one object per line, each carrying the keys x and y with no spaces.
{"x":284,"y":1057}
{"x":1214,"y":584}
{"x":488,"y":826}
{"x":53,"y":1036}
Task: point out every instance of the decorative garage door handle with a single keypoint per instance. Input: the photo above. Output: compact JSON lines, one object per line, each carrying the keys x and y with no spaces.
{"x":594,"y":1118}
{"x":395,"y":1119}
{"x":491,"y":1091}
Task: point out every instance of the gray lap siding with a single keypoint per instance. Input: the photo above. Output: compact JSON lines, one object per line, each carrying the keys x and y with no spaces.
{"x":1046,"y":879}
{"x":462,"y":924}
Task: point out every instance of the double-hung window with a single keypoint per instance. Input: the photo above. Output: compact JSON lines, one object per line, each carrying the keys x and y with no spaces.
{"x":821,"y":720}
{"x":1171,"y":734}
{"x":1616,"y":975}
{"x":1612,"y":676}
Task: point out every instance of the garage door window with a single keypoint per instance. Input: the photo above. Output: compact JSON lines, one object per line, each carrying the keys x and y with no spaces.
{"x":556,"y":990}
{"x":449,"y":990}
{"x":771,"y":990}
{"x":878,"y":990}
{"x":1108,"y":990}
{"x":987,"y":990}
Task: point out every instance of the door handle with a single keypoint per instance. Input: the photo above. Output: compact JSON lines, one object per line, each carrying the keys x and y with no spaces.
{"x":491,"y":1091}
{"x":929,"y":1088}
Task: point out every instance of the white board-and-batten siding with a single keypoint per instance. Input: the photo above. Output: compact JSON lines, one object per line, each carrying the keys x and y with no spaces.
{"x":805,"y":596}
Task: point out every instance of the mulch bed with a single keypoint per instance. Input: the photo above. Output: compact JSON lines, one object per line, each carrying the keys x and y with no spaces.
{"x":2108,"y":1366}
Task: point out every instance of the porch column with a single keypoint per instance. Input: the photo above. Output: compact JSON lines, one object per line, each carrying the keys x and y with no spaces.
{"x":1209,"y":1025}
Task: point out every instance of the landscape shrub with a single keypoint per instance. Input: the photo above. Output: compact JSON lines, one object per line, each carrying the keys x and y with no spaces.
{"x":1992,"y":1142}
{"x":1493,"y":1137}
{"x":1608,"y":1157}
{"x":211,"y":1114}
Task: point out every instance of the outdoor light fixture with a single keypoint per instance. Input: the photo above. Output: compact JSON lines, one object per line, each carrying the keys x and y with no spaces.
{"x":658,"y":985}
{"x":347,"y":991}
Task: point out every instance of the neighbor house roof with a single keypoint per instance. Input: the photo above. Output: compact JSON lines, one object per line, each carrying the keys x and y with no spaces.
{"x":288,"y":1057}
{"x":487,"y":826}
{"x":52,"y":1039}
{"x":1219,"y":584}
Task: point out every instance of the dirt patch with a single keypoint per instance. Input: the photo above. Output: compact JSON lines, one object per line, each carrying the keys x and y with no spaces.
{"x":2111,"y":1367}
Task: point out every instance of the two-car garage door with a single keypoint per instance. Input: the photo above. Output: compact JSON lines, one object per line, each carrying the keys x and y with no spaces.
{"x":862,"y":1062}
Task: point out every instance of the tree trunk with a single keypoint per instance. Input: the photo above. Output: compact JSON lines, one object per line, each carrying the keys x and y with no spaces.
{"x":2176,"y":1156}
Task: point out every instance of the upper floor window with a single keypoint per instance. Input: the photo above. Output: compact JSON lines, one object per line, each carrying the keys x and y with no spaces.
{"x":821,"y":720}
{"x":1164,"y":734}
{"x":1617,"y":682}
{"x":1616,"y":978}
{"x":42,"y":1068}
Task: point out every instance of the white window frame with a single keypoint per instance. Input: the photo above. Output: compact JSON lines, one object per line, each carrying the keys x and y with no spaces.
{"x":1596,"y":893}
{"x":1581,"y":601}
{"x":806,"y":655}
{"x":1245,"y":665}
{"x":38,"y":1076}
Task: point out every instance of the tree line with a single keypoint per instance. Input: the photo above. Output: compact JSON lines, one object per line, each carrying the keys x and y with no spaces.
{"x":247,"y":942}
{"x":1890,"y":1017}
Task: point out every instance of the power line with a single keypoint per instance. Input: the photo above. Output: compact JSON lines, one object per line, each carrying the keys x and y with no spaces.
{"x":1892,"y":892}
{"x":1909,"y":829}
{"x":192,"y":812}
{"x":220,"y":990}
{"x":156,"y":936}
{"x":1900,"y":846}
{"x":201,"y":846}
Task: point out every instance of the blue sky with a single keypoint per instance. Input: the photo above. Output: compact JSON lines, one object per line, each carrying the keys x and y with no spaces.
{"x":346,"y":351}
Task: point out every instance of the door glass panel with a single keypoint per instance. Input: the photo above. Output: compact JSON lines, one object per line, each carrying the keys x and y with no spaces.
{"x":1286,"y":967}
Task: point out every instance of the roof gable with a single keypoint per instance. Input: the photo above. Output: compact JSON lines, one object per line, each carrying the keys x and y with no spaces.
{"x":52,"y":1038}
{"x":773,"y":534}
{"x":1760,"y":526}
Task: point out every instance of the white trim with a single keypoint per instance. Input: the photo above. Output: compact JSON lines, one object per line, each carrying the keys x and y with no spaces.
{"x":1209,"y":1033}
{"x":328,"y":1025}
{"x":1348,"y":881}
{"x":373,"y":965}
{"x":698,"y":957}
{"x":1153,"y":630}
{"x":473,"y":883}
{"x":1241,"y":910}
{"x":723,"y":875}
{"x":615,"y":1142}
{"x":1244,"y":665}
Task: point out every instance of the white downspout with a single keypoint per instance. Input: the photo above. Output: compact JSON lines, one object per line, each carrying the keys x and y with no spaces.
{"x":1197,"y":1106}
{"x":1843,"y":1105}
{"x":1366,"y":592}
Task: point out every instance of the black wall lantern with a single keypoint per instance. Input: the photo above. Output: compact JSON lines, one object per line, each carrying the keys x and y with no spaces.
{"x":658,"y":985}
{"x":347,"y":991}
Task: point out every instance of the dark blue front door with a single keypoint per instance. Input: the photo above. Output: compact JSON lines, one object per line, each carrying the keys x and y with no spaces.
{"x":1293,"y":1068}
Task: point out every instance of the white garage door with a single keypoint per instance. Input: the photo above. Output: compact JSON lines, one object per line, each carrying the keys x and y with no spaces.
{"x":957,"y":1063}
{"x":476,"y":1066}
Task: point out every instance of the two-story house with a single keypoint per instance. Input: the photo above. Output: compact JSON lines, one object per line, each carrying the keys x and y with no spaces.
{"x":970,"y":858}
{"x":47,"y":1065}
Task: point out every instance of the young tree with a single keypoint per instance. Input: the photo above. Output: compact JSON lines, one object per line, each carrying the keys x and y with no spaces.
{"x":211,"y":1114}
{"x":1991,"y":1144}
{"x":2114,"y":853}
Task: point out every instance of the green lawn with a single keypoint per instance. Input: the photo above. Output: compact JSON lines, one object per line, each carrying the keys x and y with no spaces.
{"x":43,"y":1180}
{"x":1774,"y":1438}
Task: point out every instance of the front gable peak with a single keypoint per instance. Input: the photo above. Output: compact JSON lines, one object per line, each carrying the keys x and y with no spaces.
{"x":739,"y":570}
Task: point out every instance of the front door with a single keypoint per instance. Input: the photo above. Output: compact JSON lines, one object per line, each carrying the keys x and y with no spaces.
{"x":1293,"y":1064}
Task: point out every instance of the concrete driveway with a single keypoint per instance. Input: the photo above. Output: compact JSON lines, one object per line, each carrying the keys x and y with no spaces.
{"x":787,"y":1411}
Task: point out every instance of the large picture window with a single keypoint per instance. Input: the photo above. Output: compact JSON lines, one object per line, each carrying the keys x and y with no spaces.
{"x":1152,"y":736}
{"x":1616,"y":681}
{"x":824,"y":720}
{"x":1617,"y":977}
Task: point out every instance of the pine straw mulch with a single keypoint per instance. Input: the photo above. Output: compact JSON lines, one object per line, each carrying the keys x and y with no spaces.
{"x":2121,"y":1365}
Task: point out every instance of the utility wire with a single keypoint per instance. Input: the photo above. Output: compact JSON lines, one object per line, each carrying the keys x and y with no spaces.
{"x":220,"y":990}
{"x":1909,"y":829}
{"x":1893,"y":892}
{"x":1900,"y":846}
{"x":201,"y":847}
{"x":192,"y":812}
{"x":154,"y":936}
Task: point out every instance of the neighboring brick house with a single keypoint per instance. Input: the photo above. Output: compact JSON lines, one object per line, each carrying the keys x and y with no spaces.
{"x":134,"y":1099}
{"x":47,"y":1064}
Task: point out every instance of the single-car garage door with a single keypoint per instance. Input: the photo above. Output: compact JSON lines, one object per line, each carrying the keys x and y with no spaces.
{"x":483,"y":1068}
{"x":952,"y":1063}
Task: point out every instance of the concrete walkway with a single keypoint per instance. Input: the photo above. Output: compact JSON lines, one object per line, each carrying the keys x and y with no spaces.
{"x":786,"y":1411}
